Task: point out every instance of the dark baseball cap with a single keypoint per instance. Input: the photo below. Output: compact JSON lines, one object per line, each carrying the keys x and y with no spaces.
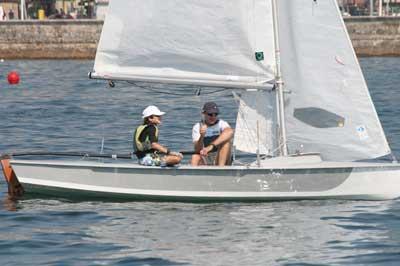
{"x":210,"y":108}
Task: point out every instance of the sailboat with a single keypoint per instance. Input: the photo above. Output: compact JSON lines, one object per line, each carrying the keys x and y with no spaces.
{"x":305,"y":112}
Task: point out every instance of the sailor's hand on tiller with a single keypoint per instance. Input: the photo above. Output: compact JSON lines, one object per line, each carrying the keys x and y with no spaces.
{"x":205,"y":150}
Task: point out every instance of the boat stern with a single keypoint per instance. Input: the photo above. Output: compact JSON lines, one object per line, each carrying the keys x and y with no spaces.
{"x":15,"y":188}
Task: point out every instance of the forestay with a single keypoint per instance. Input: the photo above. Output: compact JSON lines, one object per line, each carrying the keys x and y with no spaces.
{"x":212,"y":43}
{"x":328,"y":106}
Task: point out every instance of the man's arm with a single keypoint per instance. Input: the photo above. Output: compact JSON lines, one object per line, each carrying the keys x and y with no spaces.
{"x":198,"y":145}
{"x":154,"y":141}
{"x":226,"y":135}
{"x":158,"y":147}
{"x":199,"y":131}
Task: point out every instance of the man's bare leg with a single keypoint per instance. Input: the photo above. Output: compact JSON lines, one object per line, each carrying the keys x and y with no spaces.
{"x":197,"y":159}
{"x":172,"y":159}
{"x":224,"y":154}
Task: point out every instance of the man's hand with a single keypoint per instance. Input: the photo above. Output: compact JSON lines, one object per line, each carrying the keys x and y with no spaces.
{"x":206,"y":150}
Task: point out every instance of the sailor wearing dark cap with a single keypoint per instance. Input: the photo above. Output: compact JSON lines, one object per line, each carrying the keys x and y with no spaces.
{"x":211,"y":138}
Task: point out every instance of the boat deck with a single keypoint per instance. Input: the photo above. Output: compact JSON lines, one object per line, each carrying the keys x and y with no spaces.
{"x":269,"y":164}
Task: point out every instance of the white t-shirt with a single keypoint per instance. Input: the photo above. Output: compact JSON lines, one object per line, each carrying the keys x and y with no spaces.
{"x":212,"y":131}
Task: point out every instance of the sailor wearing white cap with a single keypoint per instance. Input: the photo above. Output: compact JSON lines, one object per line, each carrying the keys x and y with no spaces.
{"x":145,"y":141}
{"x":152,"y":110}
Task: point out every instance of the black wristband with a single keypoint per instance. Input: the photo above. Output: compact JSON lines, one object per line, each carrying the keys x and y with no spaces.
{"x":168,"y":151}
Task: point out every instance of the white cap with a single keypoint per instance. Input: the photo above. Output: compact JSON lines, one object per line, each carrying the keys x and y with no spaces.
{"x":151,"y":110}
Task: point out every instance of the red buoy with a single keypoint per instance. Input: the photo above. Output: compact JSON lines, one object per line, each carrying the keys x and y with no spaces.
{"x":13,"y":77}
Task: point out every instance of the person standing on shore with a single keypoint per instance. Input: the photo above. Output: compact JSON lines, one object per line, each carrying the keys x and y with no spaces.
{"x":10,"y":14}
{"x":2,"y":13}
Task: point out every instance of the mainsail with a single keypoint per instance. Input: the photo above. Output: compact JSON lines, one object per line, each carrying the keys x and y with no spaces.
{"x":327,"y":104}
{"x":197,"y":42}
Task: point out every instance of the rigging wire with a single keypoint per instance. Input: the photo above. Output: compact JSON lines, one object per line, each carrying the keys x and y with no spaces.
{"x":197,"y":91}
{"x":193,"y":90}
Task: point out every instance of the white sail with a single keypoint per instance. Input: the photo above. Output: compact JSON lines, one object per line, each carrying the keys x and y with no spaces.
{"x":327,"y":104}
{"x":196,"y":42}
{"x":256,"y":122}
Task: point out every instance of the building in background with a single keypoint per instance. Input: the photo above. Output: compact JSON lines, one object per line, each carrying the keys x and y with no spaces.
{"x":10,"y":9}
{"x":65,"y":9}
{"x":101,"y":9}
{"x":97,"y":9}
{"x":355,"y":7}
{"x":370,"y":7}
{"x":55,"y":9}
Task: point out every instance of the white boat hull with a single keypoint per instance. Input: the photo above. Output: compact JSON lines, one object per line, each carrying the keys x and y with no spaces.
{"x":277,"y":181}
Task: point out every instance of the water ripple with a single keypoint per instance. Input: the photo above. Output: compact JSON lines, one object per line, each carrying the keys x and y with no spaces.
{"x":56,"y":107}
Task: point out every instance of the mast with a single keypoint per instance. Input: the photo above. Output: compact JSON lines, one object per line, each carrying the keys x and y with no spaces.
{"x":279,"y":86}
{"x":22,"y":8}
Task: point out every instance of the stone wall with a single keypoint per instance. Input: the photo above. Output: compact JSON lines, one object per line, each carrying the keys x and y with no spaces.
{"x":77,"y":39}
{"x":375,"y":36}
{"x":49,"y":39}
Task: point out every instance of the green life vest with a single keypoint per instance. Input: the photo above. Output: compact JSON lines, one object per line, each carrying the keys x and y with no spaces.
{"x":142,"y":145}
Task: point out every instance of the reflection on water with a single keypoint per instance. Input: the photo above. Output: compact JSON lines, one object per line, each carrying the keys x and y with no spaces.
{"x":56,"y":108}
{"x":286,"y":233}
{"x":9,"y":203}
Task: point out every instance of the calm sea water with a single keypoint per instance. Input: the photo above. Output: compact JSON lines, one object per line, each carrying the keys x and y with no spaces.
{"x":56,"y":108}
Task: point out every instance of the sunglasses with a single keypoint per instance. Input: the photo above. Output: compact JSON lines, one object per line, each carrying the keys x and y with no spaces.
{"x":212,"y":114}
{"x":151,"y":117}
